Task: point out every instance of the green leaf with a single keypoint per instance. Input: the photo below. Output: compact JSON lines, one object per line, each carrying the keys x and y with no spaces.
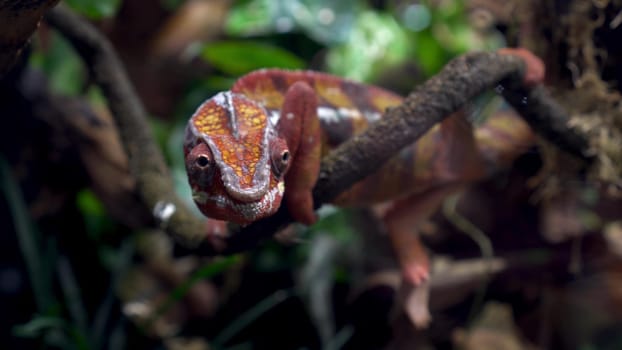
{"x":89,"y":203}
{"x":56,"y":332}
{"x":39,"y":325}
{"x":37,"y":255}
{"x":239,"y":57}
{"x":251,"y":17}
{"x":95,"y":9}
{"x":376,"y":42}
{"x":62,"y":66}
{"x":251,"y":315}
{"x":429,"y":54}
{"x":95,"y":216}
{"x":337,"y":221}
{"x":326,"y":21}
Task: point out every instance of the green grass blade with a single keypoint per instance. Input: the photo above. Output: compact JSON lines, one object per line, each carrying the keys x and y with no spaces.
{"x":73,"y":298}
{"x":180,"y":291}
{"x":28,"y":238}
{"x":250,"y":316}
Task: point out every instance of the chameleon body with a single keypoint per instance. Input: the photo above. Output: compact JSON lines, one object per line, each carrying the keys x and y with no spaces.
{"x":242,"y":146}
{"x":248,"y":148}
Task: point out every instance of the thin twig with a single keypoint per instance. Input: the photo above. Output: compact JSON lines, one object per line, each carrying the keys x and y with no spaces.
{"x":546,"y":117}
{"x":460,"y":80}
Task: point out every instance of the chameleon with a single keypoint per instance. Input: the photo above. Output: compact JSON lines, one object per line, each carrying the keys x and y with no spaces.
{"x":250,"y":148}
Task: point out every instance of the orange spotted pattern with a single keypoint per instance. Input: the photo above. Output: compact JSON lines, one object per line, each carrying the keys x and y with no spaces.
{"x":264,"y":91}
{"x":269,"y":88}
{"x":208,"y":120}
{"x":382,"y":100}
{"x":239,"y":138}
{"x":333,"y":94}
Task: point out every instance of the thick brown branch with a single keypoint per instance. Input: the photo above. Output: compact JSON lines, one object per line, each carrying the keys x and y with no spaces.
{"x":457,"y":83}
{"x":547,"y":118}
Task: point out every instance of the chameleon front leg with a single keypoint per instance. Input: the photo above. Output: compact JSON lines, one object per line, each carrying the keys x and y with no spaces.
{"x":300,"y":127}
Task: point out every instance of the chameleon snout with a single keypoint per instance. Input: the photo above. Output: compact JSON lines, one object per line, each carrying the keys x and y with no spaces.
{"x":251,"y":194}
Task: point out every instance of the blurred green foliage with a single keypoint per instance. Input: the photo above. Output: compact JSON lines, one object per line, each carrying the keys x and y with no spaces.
{"x":227,"y":57}
{"x":95,"y":217}
{"x":376,"y":42}
{"x":328,"y":22}
{"x":95,"y":9}
{"x":362,"y":42}
{"x":62,"y":66}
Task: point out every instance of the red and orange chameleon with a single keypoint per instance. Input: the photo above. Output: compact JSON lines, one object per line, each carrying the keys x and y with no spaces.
{"x":248,"y":148}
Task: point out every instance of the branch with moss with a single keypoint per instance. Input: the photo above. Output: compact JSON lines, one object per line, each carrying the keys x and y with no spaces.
{"x":458,"y":82}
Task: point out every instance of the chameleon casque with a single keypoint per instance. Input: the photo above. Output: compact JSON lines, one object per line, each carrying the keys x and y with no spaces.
{"x":248,"y":148}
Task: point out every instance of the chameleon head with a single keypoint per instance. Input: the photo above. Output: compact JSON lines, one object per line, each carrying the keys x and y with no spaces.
{"x":234,"y":159}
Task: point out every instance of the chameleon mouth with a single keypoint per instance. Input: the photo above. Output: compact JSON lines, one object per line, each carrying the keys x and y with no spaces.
{"x":249,"y":211}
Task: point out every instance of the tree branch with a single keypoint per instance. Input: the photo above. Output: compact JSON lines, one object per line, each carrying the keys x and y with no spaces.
{"x":547,"y":118}
{"x":153,"y":180}
{"x":460,"y":80}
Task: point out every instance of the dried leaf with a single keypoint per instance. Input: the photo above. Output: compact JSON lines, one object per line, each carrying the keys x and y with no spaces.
{"x":494,"y":329}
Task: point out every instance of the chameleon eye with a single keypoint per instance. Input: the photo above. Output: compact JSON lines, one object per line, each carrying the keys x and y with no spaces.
{"x":199,"y":164}
{"x":202,"y":161}
{"x":280,"y":161}
{"x":285,"y":156}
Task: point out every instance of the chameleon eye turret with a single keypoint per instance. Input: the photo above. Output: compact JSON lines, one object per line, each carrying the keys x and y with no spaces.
{"x":280,"y":161}
{"x":285,"y":158}
{"x":198,"y":162}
